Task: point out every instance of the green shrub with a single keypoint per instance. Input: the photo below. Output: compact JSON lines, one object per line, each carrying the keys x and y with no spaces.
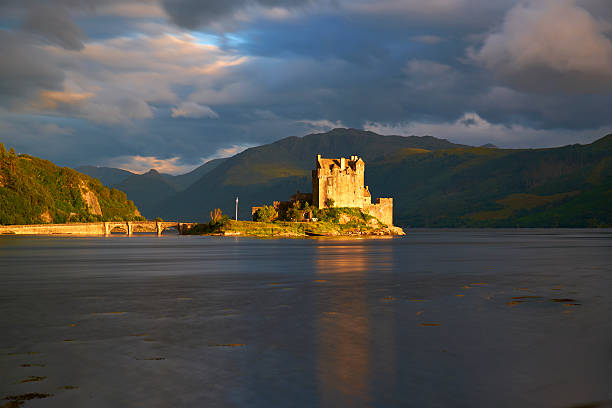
{"x":267,"y":213}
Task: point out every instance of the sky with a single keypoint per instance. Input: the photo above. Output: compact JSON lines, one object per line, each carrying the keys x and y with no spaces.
{"x":169,"y":84}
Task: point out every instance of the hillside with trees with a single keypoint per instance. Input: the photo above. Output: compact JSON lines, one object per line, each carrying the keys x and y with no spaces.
{"x":35,"y":191}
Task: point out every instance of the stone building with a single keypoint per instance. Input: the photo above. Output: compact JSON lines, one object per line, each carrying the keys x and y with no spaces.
{"x":341,"y":180}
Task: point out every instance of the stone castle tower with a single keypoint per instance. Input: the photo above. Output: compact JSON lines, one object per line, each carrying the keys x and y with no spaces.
{"x":342,"y":180}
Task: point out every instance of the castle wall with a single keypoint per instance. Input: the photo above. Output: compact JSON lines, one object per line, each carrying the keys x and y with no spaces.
{"x":383,"y":210}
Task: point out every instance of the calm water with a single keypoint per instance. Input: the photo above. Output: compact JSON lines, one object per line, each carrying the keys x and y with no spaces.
{"x":438,"y":318}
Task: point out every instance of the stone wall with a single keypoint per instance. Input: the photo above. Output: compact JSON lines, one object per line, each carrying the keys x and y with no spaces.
{"x":383,"y":210}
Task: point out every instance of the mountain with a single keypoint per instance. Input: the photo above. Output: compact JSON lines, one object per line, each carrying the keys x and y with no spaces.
{"x":434,"y":182}
{"x":148,"y":189}
{"x":108,"y":176}
{"x":568,"y":186}
{"x":275,"y":171}
{"x":35,"y":191}
{"x":182,"y":181}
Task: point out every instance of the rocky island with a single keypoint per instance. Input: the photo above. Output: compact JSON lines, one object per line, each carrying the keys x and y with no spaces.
{"x":340,"y":205}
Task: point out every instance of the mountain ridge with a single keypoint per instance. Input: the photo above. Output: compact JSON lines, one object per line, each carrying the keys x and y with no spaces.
{"x":424,"y":175}
{"x":148,"y":188}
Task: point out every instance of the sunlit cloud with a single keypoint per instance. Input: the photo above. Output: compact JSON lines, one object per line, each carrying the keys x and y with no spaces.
{"x":193,"y":110}
{"x":229,"y":151}
{"x":52,"y":99}
{"x":173,"y":165}
{"x":322,"y":124}
{"x":142,"y":164}
{"x":133,"y":10}
{"x":472,"y":129}
{"x":550,"y":45}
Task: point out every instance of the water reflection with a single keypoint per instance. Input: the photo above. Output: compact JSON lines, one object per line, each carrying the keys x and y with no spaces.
{"x":345,"y":362}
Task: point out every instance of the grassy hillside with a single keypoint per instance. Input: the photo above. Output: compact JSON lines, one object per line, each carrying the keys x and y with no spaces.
{"x":35,"y":191}
{"x":569,"y":186}
{"x":434,"y":183}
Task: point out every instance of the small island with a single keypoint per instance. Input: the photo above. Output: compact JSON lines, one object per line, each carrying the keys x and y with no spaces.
{"x":339,"y":205}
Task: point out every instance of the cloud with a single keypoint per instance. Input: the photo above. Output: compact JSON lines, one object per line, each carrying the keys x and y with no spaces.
{"x":419,"y":7}
{"x":549,"y":45}
{"x":50,"y":100}
{"x":172,"y":165}
{"x":427,"y":76}
{"x":226,"y":152}
{"x":195,"y":13}
{"x":428,"y":39}
{"x":26,"y":69}
{"x":141,"y":164}
{"x":193,"y":110}
{"x":273,"y":68}
{"x":118,"y":80}
{"x":472,"y":129}
{"x":133,"y":10}
{"x":54,"y":129}
{"x":322,"y":125}
{"x":55,"y":25}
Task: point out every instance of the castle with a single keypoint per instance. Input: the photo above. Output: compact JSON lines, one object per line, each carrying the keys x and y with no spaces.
{"x":341,"y":181}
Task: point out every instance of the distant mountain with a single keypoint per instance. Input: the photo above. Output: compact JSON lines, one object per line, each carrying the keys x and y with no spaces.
{"x":108,"y":176}
{"x":434,"y":182}
{"x":35,"y":191}
{"x":277,"y":170}
{"x":148,"y":189}
{"x":568,"y":186}
{"x":182,"y":181}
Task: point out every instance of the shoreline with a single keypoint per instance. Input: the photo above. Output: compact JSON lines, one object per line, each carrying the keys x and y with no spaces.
{"x":286,"y":229}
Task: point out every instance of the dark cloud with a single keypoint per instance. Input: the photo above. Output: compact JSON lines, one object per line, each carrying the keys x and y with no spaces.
{"x":55,"y":25}
{"x":25,"y":70}
{"x":195,"y":13}
{"x":249,"y":72}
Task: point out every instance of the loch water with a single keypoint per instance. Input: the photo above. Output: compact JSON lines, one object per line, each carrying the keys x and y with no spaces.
{"x":438,"y":318}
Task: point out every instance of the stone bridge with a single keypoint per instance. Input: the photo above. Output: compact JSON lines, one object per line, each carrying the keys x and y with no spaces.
{"x":96,"y":228}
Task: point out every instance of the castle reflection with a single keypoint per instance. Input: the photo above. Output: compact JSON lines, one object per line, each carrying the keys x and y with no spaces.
{"x":346,"y":348}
